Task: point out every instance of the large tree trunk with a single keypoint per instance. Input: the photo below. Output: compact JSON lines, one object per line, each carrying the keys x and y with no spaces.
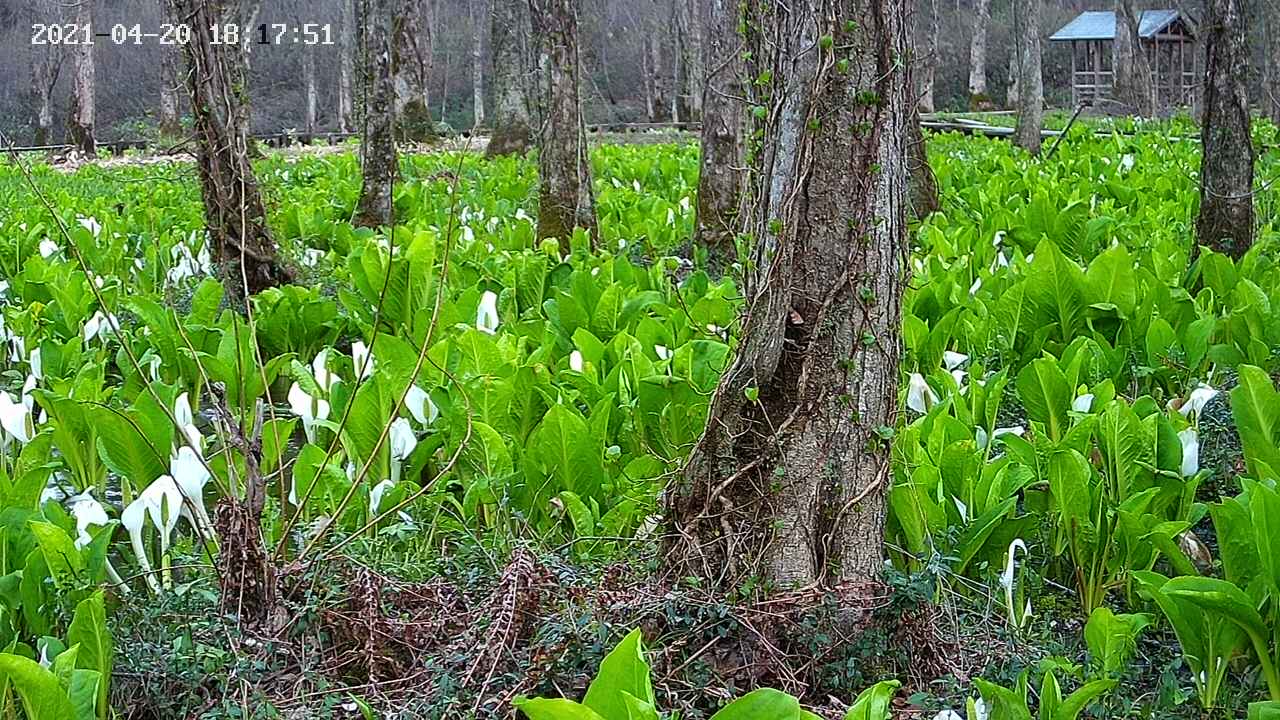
{"x":658,"y":101}
{"x":788,"y":483}
{"x":1011,"y":92}
{"x":81,"y":119}
{"x":412,"y":66}
{"x":1030,"y":83}
{"x":346,"y":67}
{"x":719,"y":177}
{"x":1271,"y":76}
{"x":477,"y":14}
{"x":927,"y":58}
{"x":978,"y":98}
{"x":46,"y":62}
{"x":565,"y":196}
{"x":509,"y":30}
{"x":1132,"y":73}
{"x":378,"y":139}
{"x":1226,"y":166}
{"x":234,"y":215}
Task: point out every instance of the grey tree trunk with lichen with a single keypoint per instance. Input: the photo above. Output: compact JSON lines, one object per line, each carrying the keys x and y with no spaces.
{"x":1226,"y":166}
{"x":346,"y":67}
{"x":378,"y":123}
{"x":477,"y":15}
{"x":788,"y":483}
{"x":1030,"y":83}
{"x":512,"y":66}
{"x":978,"y":98}
{"x":565,"y":196}
{"x":80,"y":120}
{"x":235,"y":218}
{"x":411,"y":68}
{"x":927,"y":57}
{"x":719,"y":179}
{"x":1271,"y":64}
{"x":46,"y":63}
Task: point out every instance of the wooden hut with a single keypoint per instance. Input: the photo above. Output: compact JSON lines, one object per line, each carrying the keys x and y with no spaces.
{"x":1167,"y":38}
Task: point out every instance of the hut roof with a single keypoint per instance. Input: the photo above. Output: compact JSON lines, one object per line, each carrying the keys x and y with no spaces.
{"x":1101,"y":25}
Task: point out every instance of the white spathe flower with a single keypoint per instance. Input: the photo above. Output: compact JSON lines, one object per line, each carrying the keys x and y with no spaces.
{"x":312,"y":257}
{"x":186,"y":422}
{"x":575,"y":361}
{"x":952,"y":360}
{"x":403,"y":441}
{"x":376,"y":494}
{"x":420,"y":406}
{"x":48,"y":247}
{"x":1190,"y":452}
{"x":487,"y":313}
{"x":975,"y":287}
{"x":320,"y":370}
{"x":662,"y":352}
{"x":979,"y":710}
{"x":919,"y":395}
{"x":99,"y":325}
{"x":37,"y":367}
{"x":311,"y":410}
{"x":91,"y":224}
{"x":981,"y":438}
{"x":17,"y":348}
{"x":1197,"y":400}
{"x":1083,"y":404}
{"x":948,"y":715}
{"x":161,"y":502}
{"x":15,"y":419}
{"x":191,"y":475}
{"x":362,"y":359}
{"x":1007,"y":579}
{"x":88,"y":513}
{"x":1015,"y":430}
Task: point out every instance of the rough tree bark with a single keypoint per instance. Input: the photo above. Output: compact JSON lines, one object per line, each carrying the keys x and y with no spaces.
{"x":346,"y":67}
{"x":719,"y":177}
{"x":81,"y":118}
{"x":1030,"y":82}
{"x":234,"y":215}
{"x":1226,"y":167}
{"x":1131,"y":81}
{"x":688,"y":31}
{"x":46,"y":62}
{"x":412,"y":67}
{"x":978,"y":98}
{"x":922,"y":182}
{"x":789,"y":485}
{"x":477,"y":14}
{"x":512,"y":65}
{"x":378,"y":121}
{"x":928,"y":57}
{"x":1271,"y":65}
{"x":1011,"y":92}
{"x":565,"y":196}
{"x":170,"y":85}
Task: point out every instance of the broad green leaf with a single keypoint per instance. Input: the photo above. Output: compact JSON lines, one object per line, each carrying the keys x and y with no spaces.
{"x":89,"y":630}
{"x":1255,"y":404}
{"x":762,"y":704}
{"x":43,"y":697}
{"x":874,"y":702}
{"x":558,"y":709}
{"x":623,"y":671}
{"x":1047,"y":395}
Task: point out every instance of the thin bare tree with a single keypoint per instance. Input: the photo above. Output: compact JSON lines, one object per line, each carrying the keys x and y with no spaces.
{"x":1132,"y":81}
{"x":720,"y":168}
{"x":346,"y":66}
{"x":477,"y":14}
{"x":788,"y":484}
